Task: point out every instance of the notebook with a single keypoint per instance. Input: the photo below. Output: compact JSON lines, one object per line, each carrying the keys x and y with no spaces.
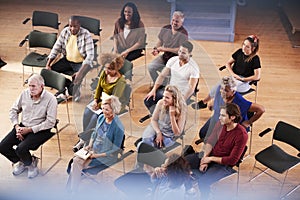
{"x":90,"y":105}
{"x":82,"y":153}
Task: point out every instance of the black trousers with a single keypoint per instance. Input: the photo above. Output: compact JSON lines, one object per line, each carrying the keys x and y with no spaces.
{"x":134,"y":54}
{"x":31,"y":141}
{"x":69,"y":68}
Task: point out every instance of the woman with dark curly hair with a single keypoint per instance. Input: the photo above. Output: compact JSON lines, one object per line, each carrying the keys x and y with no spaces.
{"x":129,"y":33}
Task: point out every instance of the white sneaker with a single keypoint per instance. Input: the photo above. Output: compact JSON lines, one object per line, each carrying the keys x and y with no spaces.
{"x":78,"y":146}
{"x":18,"y":168}
{"x":33,"y":170}
{"x":61,"y":96}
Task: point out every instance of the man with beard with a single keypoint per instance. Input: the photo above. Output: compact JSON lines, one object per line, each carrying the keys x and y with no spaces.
{"x":170,"y":38}
{"x":184,"y":74}
{"x":223,"y":150}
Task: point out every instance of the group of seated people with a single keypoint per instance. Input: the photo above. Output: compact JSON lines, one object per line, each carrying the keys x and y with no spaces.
{"x":175,"y":75}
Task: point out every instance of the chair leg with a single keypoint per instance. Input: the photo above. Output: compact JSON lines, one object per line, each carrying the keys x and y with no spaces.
{"x":237,"y":182}
{"x":256,"y":91}
{"x":290,"y":192}
{"x":145,"y":54}
{"x":57,"y":160}
{"x":262,"y":171}
{"x":23,"y":76}
{"x":130,"y":119}
{"x":282,"y":183}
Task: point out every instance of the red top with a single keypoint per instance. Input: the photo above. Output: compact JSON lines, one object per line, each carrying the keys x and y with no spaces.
{"x":228,"y":144}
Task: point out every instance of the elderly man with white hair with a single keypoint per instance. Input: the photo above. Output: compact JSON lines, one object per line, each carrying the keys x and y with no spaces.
{"x":39,"y":110}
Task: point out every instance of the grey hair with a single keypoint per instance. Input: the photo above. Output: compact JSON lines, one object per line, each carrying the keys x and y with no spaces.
{"x":114,"y":103}
{"x":179,"y":14}
{"x":38,"y":78}
{"x":229,"y":81}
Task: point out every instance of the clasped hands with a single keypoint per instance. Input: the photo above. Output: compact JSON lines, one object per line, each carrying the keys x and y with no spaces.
{"x":204,"y":163}
{"x":21,"y":131}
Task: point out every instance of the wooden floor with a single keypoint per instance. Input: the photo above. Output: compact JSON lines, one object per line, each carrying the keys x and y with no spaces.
{"x":278,"y":91}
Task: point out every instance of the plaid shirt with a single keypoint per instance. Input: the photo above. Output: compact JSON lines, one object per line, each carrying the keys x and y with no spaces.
{"x":84,"y":43}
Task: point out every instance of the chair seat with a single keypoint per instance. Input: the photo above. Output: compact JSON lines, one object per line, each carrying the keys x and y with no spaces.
{"x":35,"y":60}
{"x":247,"y":92}
{"x":60,"y":100}
{"x":95,"y":41}
{"x":276,"y":159}
{"x":69,"y":73}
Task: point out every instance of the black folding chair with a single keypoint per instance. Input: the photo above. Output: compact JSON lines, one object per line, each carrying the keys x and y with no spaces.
{"x":276,"y":158}
{"x":40,"y":44}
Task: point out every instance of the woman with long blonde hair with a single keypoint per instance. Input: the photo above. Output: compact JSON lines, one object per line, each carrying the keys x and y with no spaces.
{"x":168,"y":119}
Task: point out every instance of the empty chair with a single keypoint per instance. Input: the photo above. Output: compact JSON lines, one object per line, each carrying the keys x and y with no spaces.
{"x":275,"y":157}
{"x":57,"y":81}
{"x":42,"y":19}
{"x":39,"y":44}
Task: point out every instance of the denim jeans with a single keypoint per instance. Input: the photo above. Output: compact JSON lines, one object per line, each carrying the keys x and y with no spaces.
{"x":213,"y":173}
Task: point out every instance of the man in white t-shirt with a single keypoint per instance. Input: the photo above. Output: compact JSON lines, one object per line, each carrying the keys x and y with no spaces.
{"x":184,"y":73}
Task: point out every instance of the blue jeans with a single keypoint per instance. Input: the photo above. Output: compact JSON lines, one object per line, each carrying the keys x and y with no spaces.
{"x":149,"y":134}
{"x":213,"y":173}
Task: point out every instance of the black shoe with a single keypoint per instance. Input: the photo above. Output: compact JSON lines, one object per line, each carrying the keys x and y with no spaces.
{"x":137,"y":141}
{"x":199,"y":105}
{"x":78,"y":146}
{"x":2,"y":63}
{"x":145,"y":118}
{"x":199,"y":141}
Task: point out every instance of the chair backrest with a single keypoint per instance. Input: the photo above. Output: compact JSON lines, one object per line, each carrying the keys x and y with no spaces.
{"x":241,"y":157}
{"x":287,"y":133}
{"x":53,"y":79}
{"x":41,"y":39}
{"x":91,"y":24}
{"x":42,"y":18}
{"x":125,"y":99}
{"x":126,"y":70}
{"x":145,"y":41}
{"x":150,"y":155}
